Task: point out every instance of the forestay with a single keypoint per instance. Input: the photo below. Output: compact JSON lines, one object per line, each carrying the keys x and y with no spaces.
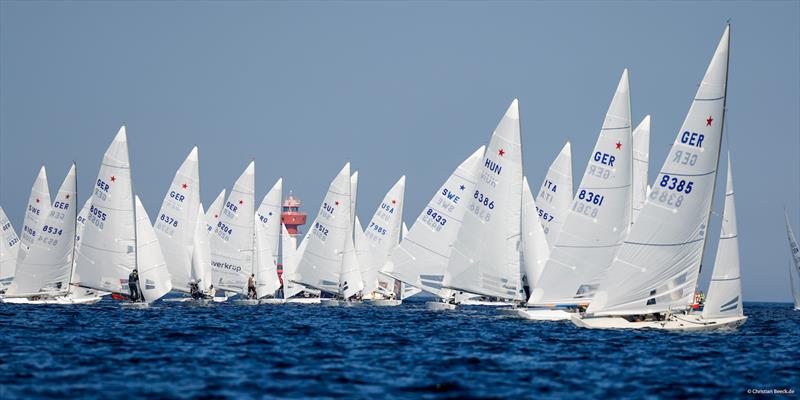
{"x":421,"y":258}
{"x":641,"y":160}
{"x":47,"y":267}
{"x":154,"y":279}
{"x":724,"y":297}
{"x":268,"y":230}
{"x":107,"y":251}
{"x":175,"y":224}
{"x":555,"y":195}
{"x":656,"y":268}
{"x":320,"y":263}
{"x":486,"y":254}
{"x":232,"y":241}
{"x":600,"y":213}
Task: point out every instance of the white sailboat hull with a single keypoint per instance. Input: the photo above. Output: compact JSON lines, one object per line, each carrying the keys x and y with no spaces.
{"x":692,"y":322}
{"x":272,"y":301}
{"x":339,"y":303}
{"x":304,"y":300}
{"x":484,"y":303}
{"x":135,"y":305}
{"x":384,"y":302}
{"x":246,"y":302}
{"x":439,"y":306}
{"x":53,"y":300}
{"x":543,"y":314}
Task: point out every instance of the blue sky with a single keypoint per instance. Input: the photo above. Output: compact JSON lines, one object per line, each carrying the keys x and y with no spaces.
{"x":396,"y":88}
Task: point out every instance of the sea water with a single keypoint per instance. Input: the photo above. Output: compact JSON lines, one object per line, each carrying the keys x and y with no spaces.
{"x":172,"y":350}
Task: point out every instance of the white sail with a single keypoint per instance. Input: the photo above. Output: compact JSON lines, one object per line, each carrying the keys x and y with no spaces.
{"x":422,"y":257}
{"x":794,"y":267}
{"x":8,"y":251}
{"x":175,"y":224}
{"x":724,"y":297}
{"x":656,"y":268}
{"x":47,"y":266}
{"x":555,"y":195}
{"x":366,"y":261}
{"x":405,"y":231}
{"x":154,"y":279}
{"x":213,"y":211}
{"x":268,"y":230}
{"x":535,"y":250}
{"x":320,"y":263}
{"x":353,"y":196}
{"x":36,"y":211}
{"x":641,"y":160}
{"x":107,"y":251}
{"x":600,"y":213}
{"x":383,"y":236}
{"x":289,"y":253}
{"x":232,"y":241}
{"x":201,"y":252}
{"x":486,"y":254}
{"x":350,"y":280}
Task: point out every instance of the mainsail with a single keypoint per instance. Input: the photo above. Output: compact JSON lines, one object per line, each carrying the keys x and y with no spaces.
{"x":175,"y":225}
{"x":37,"y":209}
{"x":8,"y":251}
{"x":724,"y":297}
{"x":107,"y":251}
{"x":421,"y":258}
{"x":656,"y":268}
{"x":382,"y":235}
{"x":47,"y":266}
{"x":641,"y":160}
{"x":154,"y":279}
{"x":268,"y":230}
{"x":289,"y":259}
{"x":794,"y":267}
{"x":486,"y":254}
{"x":535,"y":250}
{"x":555,"y":195}
{"x":213,"y":211}
{"x":320,"y":263}
{"x":201,"y":252}
{"x":600,"y":212}
{"x":232,"y":241}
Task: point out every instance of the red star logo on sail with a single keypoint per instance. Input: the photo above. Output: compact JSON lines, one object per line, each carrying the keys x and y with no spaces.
{"x":113,"y":178}
{"x":37,"y":200}
{"x":619,"y":145}
{"x":216,"y":216}
{"x":394,"y":202}
{"x":709,"y":121}
{"x":67,"y":196}
{"x":336,"y":202}
{"x":241,"y":202}
{"x":185,"y":186}
{"x":501,"y":152}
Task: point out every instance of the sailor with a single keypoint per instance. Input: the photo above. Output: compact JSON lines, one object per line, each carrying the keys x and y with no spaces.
{"x":194,"y":290}
{"x":133,"y":285}
{"x":251,"y":286}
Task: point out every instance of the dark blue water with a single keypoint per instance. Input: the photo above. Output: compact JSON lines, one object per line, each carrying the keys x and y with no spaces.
{"x":299,"y":351}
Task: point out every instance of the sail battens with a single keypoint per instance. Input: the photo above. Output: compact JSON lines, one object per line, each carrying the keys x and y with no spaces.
{"x":665,"y":244}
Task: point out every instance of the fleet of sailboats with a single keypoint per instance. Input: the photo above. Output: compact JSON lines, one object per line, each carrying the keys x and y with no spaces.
{"x":616,"y":253}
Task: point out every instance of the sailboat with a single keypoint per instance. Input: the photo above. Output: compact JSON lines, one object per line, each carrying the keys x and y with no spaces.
{"x":421,"y":258}
{"x":723,"y":306}
{"x":407,"y":290}
{"x":597,"y":221}
{"x":43,"y":273}
{"x":350,"y":280}
{"x":8,"y":251}
{"x":290,"y":256}
{"x":320,"y":265}
{"x":118,"y":237}
{"x":486,"y":257}
{"x":641,"y":160}
{"x":794,"y":266}
{"x":233,"y":239}
{"x":37,"y":209}
{"x":379,"y":239}
{"x":176,"y":223}
{"x":268,"y":230}
{"x":655,"y":270}
{"x":555,"y":195}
